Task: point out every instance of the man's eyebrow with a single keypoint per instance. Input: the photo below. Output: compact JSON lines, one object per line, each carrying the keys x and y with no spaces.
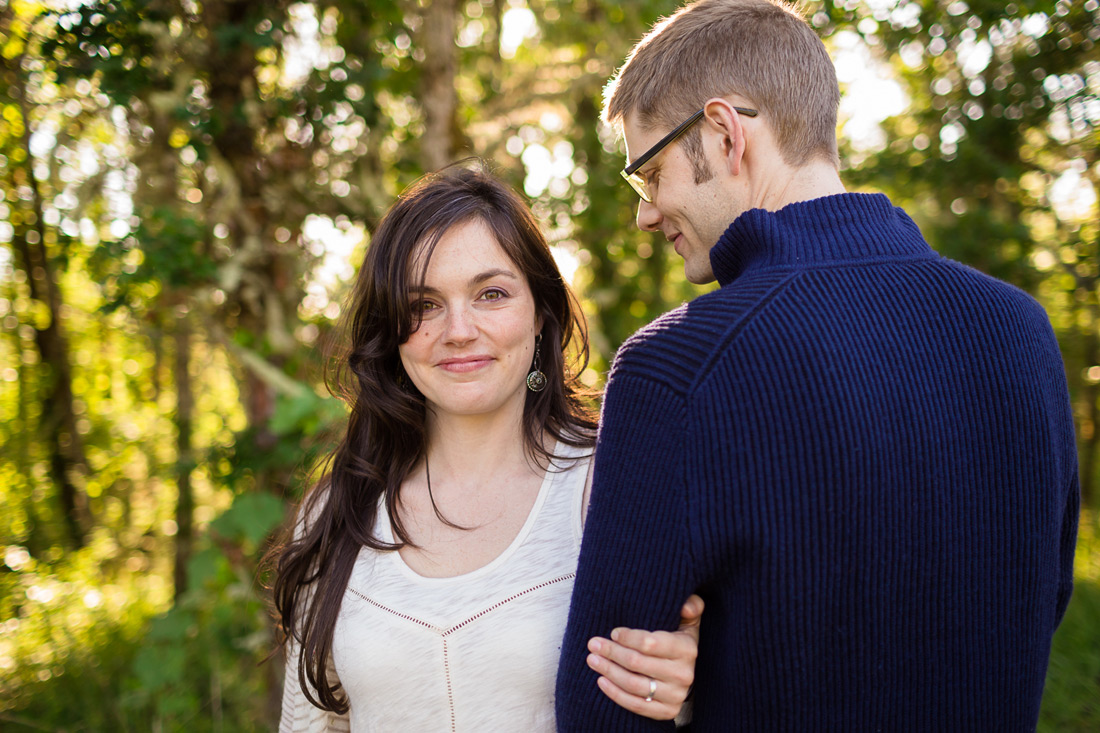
{"x":478,"y":278}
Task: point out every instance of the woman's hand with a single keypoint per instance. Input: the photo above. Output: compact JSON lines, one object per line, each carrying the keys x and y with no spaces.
{"x":649,"y":672}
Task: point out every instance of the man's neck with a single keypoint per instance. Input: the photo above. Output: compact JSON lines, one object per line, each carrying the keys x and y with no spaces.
{"x":790,"y":185}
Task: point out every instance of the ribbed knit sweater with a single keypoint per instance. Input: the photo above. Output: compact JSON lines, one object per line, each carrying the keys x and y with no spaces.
{"x":861,"y":454}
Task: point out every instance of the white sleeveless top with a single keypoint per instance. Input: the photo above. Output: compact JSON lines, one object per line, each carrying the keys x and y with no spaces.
{"x":474,"y":652}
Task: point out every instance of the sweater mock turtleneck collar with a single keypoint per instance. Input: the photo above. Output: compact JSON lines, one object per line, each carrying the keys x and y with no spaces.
{"x":845,"y":226}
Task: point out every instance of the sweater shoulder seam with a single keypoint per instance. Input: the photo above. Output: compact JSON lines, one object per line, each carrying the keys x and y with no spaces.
{"x":869,"y":261}
{"x":625,"y":361}
{"x":738,"y":328}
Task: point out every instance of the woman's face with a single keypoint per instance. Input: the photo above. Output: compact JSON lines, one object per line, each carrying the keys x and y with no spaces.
{"x":473,"y":349}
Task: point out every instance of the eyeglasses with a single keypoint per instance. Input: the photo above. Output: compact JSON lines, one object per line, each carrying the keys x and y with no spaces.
{"x":630,"y":173}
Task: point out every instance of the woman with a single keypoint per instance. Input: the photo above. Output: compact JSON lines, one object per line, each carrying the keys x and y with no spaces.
{"x":428,"y":581}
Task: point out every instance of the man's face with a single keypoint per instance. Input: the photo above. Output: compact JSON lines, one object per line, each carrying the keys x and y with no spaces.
{"x":691,"y":215}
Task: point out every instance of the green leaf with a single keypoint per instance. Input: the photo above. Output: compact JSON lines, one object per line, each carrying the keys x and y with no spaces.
{"x":251,"y":517}
{"x":205,"y":566}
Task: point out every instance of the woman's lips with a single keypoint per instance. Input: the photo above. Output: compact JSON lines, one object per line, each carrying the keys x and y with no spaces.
{"x":465,"y":364}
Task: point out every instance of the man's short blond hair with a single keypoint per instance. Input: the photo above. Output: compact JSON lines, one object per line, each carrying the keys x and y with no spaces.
{"x":762,"y":50}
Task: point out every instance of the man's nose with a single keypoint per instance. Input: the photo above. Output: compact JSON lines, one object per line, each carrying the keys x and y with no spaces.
{"x":649,"y":217}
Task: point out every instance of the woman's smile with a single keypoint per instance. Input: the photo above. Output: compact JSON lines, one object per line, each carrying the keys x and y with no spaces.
{"x":464,"y":364}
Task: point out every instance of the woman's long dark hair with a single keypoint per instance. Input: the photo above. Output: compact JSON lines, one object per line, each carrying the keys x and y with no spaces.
{"x":386,"y":436}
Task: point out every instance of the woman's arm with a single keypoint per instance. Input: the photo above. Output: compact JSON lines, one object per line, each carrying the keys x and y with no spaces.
{"x":634,"y":662}
{"x":299,"y":715}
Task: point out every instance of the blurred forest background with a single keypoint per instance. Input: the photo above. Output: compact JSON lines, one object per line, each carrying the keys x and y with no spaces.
{"x":188,"y":185}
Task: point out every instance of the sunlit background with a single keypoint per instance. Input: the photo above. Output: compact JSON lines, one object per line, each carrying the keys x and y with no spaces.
{"x":189,"y":188}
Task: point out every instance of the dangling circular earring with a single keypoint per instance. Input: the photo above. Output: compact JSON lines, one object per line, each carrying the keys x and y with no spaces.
{"x":536,"y":380}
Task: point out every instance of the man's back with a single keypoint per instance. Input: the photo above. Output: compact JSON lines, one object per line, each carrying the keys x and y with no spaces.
{"x":862,"y":456}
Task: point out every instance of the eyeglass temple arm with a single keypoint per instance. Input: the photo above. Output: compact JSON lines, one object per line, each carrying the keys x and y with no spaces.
{"x":663,"y":142}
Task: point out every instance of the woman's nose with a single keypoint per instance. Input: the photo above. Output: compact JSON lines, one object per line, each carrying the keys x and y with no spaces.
{"x":461,"y":326}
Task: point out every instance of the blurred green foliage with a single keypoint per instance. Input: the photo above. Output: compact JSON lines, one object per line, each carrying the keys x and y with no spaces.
{"x":201,"y":179}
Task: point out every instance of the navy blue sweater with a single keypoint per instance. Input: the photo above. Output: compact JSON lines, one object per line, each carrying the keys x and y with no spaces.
{"x":861,"y":454}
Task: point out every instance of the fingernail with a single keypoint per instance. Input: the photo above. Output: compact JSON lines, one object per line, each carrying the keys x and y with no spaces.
{"x":593,"y":661}
{"x":594,"y":645}
{"x":614,"y":635}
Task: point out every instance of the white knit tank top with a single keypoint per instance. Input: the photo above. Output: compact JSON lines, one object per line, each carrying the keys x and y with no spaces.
{"x":475,"y":652}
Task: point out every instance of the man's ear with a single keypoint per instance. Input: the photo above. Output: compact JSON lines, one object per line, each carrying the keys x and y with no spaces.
{"x":720,"y":117}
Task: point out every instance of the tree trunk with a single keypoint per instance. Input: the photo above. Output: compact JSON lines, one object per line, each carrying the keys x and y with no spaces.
{"x":1089,"y":434}
{"x":440,"y":100}
{"x":68,"y":465}
{"x":268,"y":292}
{"x":498,"y":34}
{"x":1089,"y":444}
{"x":185,"y":460}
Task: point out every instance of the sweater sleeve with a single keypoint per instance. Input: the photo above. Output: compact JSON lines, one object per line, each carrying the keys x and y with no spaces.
{"x":1068,"y":545}
{"x":634,"y":567}
{"x":1071,"y":516}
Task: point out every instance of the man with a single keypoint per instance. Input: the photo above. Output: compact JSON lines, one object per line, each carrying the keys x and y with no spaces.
{"x":860,"y":453}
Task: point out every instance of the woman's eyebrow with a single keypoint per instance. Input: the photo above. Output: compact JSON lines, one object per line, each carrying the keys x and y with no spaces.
{"x":478,"y":278}
{"x":489,"y":274}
